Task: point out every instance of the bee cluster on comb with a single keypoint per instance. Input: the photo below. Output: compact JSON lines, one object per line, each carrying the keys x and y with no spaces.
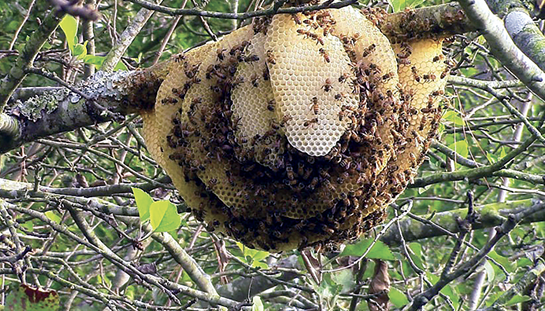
{"x":299,"y":129}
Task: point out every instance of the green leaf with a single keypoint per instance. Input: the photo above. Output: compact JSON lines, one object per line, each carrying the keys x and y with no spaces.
{"x":80,"y":51}
{"x":164,"y":216}
{"x":379,"y":250}
{"x":51,"y":215}
{"x":492,"y":158}
{"x":507,"y":264}
{"x":460,"y":147}
{"x":416,"y":248}
{"x":257,"y":304}
{"x":143,"y":203}
{"x":397,"y":297}
{"x":253,"y":256}
{"x":26,"y":298}
{"x":345,"y":278}
{"x":490,"y":273}
{"x":121,"y":66}
{"x":69,"y":26}
{"x":517,"y":299}
{"x":453,"y":117}
{"x":400,"y":5}
{"x":94,"y":60}
{"x":98,"y":60}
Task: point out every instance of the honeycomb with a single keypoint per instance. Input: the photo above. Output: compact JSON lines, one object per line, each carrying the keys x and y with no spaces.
{"x":298,"y":129}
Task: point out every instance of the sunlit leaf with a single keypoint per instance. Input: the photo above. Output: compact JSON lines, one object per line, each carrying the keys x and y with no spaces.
{"x":460,"y":147}
{"x":80,"y":50}
{"x":120,"y":66}
{"x":454,"y":117}
{"x":53,"y":216}
{"x":379,"y":250}
{"x":143,"y":203}
{"x":69,"y":26}
{"x":257,"y":304}
{"x":490,"y":273}
{"x":94,"y":60}
{"x":253,"y":257}
{"x":164,"y":216}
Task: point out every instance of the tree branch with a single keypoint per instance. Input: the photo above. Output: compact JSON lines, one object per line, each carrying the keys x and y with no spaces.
{"x":25,"y":60}
{"x":503,"y":47}
{"x":520,"y":26}
{"x":444,"y":223}
{"x":109,"y":95}
{"x":126,"y":38}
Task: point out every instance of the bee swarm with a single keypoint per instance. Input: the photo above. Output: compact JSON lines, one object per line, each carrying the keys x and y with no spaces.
{"x":297,"y":130}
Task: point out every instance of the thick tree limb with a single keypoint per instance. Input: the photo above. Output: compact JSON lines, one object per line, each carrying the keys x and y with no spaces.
{"x":503,"y":47}
{"x":520,"y":26}
{"x":109,"y":95}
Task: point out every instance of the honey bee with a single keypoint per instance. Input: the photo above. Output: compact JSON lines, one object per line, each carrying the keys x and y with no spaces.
{"x":326,"y":229}
{"x":255,"y":81}
{"x":251,"y":58}
{"x":271,"y":104}
{"x":428,"y":77}
{"x":329,"y":185}
{"x":285,"y":119}
{"x":324,"y":174}
{"x":289,"y":172}
{"x":324,"y":53}
{"x":220,"y":53}
{"x":342,"y":114}
{"x":345,"y":163}
{"x":300,"y":225}
{"x":315,"y":107}
{"x":444,"y":73}
{"x":296,"y":18}
{"x":327,"y":29}
{"x":212,"y":182}
{"x":313,"y":183}
{"x":266,"y":74}
{"x":356,"y":203}
{"x":340,"y":96}
{"x":427,"y":110}
{"x":406,"y":50}
{"x":438,"y":58}
{"x":346,"y":200}
{"x":178,"y":58}
{"x":270,"y":57}
{"x":169,"y":100}
{"x":317,"y":38}
{"x":387,"y":76}
{"x":327,"y":86}
{"x":308,"y":123}
{"x":403,"y":61}
{"x":369,"y":49}
{"x":344,"y":77}
{"x":415,"y":73}
{"x":303,"y":32}
{"x":238,"y":80}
